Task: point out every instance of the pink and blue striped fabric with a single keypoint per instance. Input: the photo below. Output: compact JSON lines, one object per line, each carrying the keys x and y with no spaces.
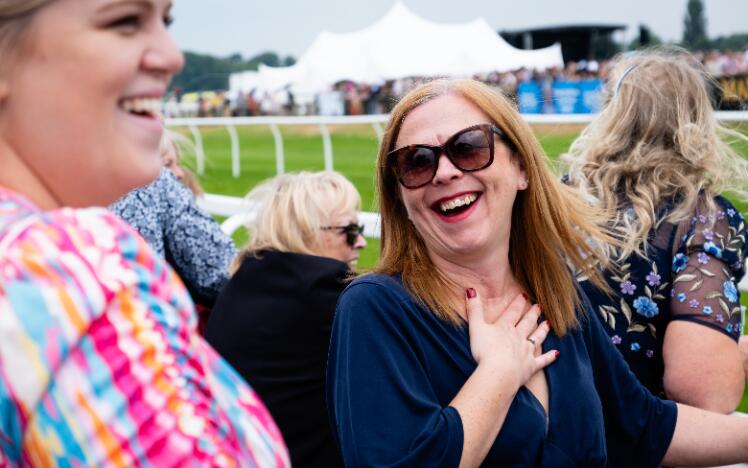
{"x":100,"y":360}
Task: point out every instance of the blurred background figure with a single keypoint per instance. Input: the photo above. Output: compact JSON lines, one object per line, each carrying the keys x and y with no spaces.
{"x":657,"y":159}
{"x":100,"y":360}
{"x":272,"y":321}
{"x":166,"y":214}
{"x":173,"y":145}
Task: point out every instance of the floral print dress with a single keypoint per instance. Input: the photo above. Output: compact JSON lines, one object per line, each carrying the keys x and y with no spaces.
{"x":690,"y":273}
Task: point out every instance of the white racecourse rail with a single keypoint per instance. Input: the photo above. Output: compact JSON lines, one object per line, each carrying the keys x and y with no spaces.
{"x":238,"y":212}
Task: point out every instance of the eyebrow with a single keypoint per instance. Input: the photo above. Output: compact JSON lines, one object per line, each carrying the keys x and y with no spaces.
{"x":114,"y":4}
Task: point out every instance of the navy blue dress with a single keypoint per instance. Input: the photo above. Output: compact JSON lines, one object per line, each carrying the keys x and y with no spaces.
{"x":394,"y":367}
{"x":690,"y":272}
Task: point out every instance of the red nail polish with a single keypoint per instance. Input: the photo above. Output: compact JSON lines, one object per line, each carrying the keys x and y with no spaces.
{"x":470,"y":293}
{"x":557,"y":353}
{"x":550,"y":325}
{"x":525,"y":296}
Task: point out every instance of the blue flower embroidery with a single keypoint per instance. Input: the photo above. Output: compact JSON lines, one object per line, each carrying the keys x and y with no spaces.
{"x":707,"y":310}
{"x":635,"y":346}
{"x":703,"y":258}
{"x":679,"y":262}
{"x":730,"y":291}
{"x":646,"y":307}
{"x":730,"y":212}
{"x":712,"y":249}
{"x":729,"y":328}
{"x":681,"y":297}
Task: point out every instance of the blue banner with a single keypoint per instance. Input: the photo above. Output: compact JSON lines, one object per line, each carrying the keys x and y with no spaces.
{"x":576,"y":97}
{"x":530,"y":98}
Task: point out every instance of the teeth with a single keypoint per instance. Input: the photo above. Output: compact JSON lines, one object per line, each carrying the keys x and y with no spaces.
{"x":454,"y":203}
{"x":150,"y":106}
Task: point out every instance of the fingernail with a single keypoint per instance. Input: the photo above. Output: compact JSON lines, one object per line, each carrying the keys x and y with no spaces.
{"x":550,"y":325}
{"x":470,"y":292}
{"x":557,"y":353}
{"x":525,"y":296}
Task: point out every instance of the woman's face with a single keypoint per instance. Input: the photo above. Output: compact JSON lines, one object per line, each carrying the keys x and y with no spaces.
{"x":335,"y":241}
{"x":460,"y":215}
{"x":82,"y":108}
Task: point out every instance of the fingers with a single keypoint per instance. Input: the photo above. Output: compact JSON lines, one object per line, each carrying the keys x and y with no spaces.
{"x":546,"y":359}
{"x":529,"y":321}
{"x":538,"y":336}
{"x":473,"y":306}
{"x":515,"y":309}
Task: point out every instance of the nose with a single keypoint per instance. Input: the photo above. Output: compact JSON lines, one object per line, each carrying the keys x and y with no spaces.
{"x":445,"y":171}
{"x":360,"y":242}
{"x":163,"y":56}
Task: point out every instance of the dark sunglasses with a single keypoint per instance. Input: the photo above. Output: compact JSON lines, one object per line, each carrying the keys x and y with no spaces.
{"x":470,"y":149}
{"x":351,"y":231}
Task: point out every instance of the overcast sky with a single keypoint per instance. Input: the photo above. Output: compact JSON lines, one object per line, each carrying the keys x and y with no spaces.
{"x":288,"y":27}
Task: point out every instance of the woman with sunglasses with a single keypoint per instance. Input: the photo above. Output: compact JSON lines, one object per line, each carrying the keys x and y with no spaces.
{"x":439,"y":358}
{"x":657,"y":159}
{"x":100,"y":360}
{"x":272,"y":320}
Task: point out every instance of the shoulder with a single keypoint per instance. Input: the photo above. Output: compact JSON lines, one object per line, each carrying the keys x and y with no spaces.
{"x":379,"y":297}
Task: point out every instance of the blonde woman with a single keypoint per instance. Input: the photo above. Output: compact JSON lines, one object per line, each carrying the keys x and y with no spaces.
{"x":439,"y":359}
{"x":658,"y":160}
{"x":272,"y":320}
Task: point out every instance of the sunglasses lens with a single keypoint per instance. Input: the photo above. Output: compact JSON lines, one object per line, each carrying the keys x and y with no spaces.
{"x":352,"y":231}
{"x":471,"y":150}
{"x":415,"y":166}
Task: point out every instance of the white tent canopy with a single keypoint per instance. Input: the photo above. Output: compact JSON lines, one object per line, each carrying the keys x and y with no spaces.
{"x":402,"y":44}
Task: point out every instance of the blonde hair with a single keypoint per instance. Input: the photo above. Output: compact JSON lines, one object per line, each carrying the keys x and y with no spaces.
{"x":15,"y":16}
{"x":293,"y":208}
{"x":656,"y":140}
{"x":550,"y":223}
{"x":171,"y":140}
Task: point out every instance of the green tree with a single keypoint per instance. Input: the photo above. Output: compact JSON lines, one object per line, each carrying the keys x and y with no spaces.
{"x":694,"y":26}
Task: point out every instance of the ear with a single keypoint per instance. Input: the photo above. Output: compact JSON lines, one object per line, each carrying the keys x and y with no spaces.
{"x":522,"y":180}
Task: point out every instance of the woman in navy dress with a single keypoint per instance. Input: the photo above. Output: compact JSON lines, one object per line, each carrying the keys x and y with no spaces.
{"x":656,"y":159}
{"x":439,"y":358}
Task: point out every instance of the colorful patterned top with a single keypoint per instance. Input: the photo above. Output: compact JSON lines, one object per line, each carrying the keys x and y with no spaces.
{"x":100,"y":360}
{"x":690,"y":273}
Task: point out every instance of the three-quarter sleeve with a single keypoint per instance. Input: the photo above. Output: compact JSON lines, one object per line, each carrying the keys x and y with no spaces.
{"x":708,"y":265}
{"x":382,"y":406}
{"x":638,"y":426}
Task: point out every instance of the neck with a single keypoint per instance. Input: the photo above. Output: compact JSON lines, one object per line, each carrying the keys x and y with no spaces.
{"x":17,"y":176}
{"x":491,"y":276}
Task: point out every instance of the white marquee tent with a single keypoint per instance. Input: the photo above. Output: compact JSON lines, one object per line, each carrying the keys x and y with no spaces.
{"x":400,"y":44}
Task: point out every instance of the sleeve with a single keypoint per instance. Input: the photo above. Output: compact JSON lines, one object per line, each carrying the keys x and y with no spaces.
{"x":136,"y":385}
{"x":638,"y":426}
{"x":706,"y":269}
{"x":381,"y":404}
{"x":194,"y":243}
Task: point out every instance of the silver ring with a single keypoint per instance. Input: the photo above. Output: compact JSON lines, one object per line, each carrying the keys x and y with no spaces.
{"x":531,"y":340}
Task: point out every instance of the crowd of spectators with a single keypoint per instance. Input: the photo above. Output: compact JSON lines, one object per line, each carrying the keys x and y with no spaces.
{"x":349,"y":98}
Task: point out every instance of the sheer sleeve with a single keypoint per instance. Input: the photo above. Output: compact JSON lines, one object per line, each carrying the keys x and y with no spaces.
{"x":708,"y":264}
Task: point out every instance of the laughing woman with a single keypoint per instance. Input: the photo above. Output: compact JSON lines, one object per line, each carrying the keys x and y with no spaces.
{"x":439,"y":359}
{"x":100,"y":361}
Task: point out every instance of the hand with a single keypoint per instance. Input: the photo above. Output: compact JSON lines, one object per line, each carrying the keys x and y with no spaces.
{"x":510,"y":344}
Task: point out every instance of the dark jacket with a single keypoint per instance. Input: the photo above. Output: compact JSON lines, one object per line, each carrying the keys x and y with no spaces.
{"x":272,"y":323}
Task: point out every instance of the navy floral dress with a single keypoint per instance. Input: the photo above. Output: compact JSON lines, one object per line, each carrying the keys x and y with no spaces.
{"x":690,"y":273}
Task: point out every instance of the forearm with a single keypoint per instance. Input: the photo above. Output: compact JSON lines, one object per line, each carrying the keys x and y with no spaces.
{"x":483,"y":403}
{"x":703,"y":438}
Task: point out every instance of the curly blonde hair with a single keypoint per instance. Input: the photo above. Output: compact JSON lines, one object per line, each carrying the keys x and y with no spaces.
{"x":656,"y":141}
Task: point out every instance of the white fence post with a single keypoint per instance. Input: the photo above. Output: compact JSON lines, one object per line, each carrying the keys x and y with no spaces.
{"x":280,"y":163}
{"x":199,"y":150}
{"x":326,"y":145}
{"x":235,"y":155}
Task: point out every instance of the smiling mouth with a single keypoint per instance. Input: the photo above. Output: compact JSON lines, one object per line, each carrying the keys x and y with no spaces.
{"x":142,"y":107}
{"x":455,"y":206}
